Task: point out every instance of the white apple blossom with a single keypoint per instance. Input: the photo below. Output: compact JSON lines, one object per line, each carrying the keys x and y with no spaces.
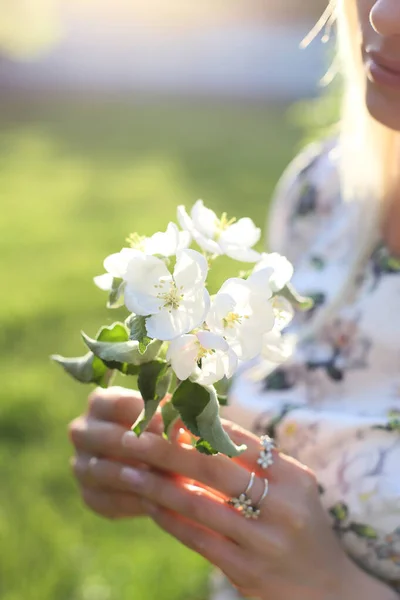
{"x":165,"y":243}
{"x":276,"y":347}
{"x":220,"y":236}
{"x":115,"y":266}
{"x":242,"y":313}
{"x":203,"y":356}
{"x":174,"y":303}
{"x":283,"y":310}
{"x":282,"y":269}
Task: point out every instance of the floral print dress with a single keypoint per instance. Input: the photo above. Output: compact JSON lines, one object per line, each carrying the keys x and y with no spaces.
{"x":335,"y":406}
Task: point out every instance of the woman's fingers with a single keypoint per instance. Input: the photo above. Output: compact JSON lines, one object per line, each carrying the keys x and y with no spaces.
{"x":120,"y":405}
{"x":217,"y":472}
{"x":284,"y":468}
{"x":113,"y":505}
{"x":98,"y":438}
{"x":192,"y":502}
{"x":219,"y":551}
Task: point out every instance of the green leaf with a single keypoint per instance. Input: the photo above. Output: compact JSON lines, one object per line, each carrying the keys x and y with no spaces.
{"x":205,"y":448}
{"x":364,"y":531}
{"x":119,"y":354}
{"x":85,"y":369}
{"x":340,"y":512}
{"x":169,"y":415}
{"x":199,"y":410}
{"x":143,"y":344}
{"x":296,"y":300}
{"x":115,"y":295}
{"x":137,"y":327}
{"x":153,"y":381}
{"x":117,"y":332}
{"x":222,"y":387}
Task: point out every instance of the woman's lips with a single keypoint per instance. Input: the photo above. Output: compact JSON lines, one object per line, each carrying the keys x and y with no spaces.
{"x":383,"y":71}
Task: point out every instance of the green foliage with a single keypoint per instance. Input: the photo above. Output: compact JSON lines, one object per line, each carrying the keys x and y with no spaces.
{"x":170,"y":415}
{"x":198,"y":407}
{"x":85,"y":369}
{"x":296,"y":300}
{"x":153,"y":381}
{"x":74,"y":181}
{"x":137,"y":327}
{"x":115,"y":297}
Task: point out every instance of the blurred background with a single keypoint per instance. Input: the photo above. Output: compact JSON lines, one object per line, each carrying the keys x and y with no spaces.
{"x":111,"y":114}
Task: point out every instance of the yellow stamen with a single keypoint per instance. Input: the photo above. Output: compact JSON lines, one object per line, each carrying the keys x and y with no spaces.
{"x":223,"y":224}
{"x":136,"y":241}
{"x":172,"y":298}
{"x":231,"y":320}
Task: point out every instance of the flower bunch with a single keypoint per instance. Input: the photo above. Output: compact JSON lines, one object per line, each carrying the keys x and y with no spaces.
{"x":179,"y":340}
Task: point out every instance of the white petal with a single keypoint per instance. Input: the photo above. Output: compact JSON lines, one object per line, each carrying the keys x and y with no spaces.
{"x":206,"y":243}
{"x":204,"y":219}
{"x":190,"y":270}
{"x":216,"y":366}
{"x":262,"y":317}
{"x":231,"y":363}
{"x":239,"y":253}
{"x":243,"y":233}
{"x":250,"y":345}
{"x":239,"y":290}
{"x":259,"y":283}
{"x":182,"y":353}
{"x":284,"y":312}
{"x":222,"y":304}
{"x":117,"y":264}
{"x":184,"y":240}
{"x":144,"y":272}
{"x":211,"y":341}
{"x":167,"y":325}
{"x":164,"y":243}
{"x":184,"y":220}
{"x":104,"y":282}
{"x":139,"y":303}
{"x":211,"y":371}
{"x":282,"y":269}
{"x":276,"y":347}
{"x":196,"y":308}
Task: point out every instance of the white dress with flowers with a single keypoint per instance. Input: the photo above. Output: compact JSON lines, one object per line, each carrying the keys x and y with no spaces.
{"x":336,"y":405}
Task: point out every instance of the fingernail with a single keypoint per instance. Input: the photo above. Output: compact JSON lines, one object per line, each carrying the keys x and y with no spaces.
{"x":80,"y":465}
{"x":133,"y":477}
{"x":92,"y":462}
{"x":131,"y":440}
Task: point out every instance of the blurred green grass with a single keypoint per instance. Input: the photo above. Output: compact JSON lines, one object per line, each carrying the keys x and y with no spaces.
{"x":75,"y":178}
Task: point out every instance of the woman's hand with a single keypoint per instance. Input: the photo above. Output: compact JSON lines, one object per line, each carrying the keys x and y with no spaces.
{"x":289,"y":552}
{"x":98,"y":434}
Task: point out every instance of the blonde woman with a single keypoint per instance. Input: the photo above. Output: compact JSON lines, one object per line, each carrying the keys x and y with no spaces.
{"x":326,"y":520}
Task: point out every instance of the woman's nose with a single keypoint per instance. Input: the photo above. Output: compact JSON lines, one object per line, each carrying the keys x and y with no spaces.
{"x":385,"y":17}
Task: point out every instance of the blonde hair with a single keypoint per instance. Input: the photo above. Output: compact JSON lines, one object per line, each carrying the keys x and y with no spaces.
{"x":367,"y":150}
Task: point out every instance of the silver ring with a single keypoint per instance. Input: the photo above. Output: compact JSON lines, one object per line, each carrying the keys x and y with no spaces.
{"x":251,"y":483}
{"x":243,"y":503}
{"x":257,"y":509}
{"x":265,"y":492}
{"x":266,"y":457}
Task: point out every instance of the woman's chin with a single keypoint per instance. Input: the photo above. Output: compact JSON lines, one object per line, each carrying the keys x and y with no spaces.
{"x":384,"y":106}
